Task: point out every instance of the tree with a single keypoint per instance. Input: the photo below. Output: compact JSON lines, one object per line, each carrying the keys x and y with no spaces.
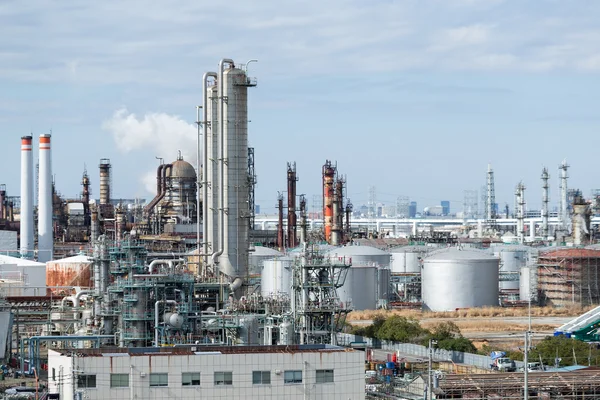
{"x":448,"y":337}
{"x":566,"y":349}
{"x":401,"y":329}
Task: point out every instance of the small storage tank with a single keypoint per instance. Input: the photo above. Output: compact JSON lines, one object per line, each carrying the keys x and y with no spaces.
{"x":260,"y":254}
{"x":71,"y":271}
{"x":512,"y":259}
{"x":276,"y":277}
{"x":457,"y":278}
{"x":407,"y":259}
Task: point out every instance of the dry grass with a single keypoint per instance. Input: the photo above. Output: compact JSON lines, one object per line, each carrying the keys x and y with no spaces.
{"x":479,"y":325}
{"x":483,"y":312}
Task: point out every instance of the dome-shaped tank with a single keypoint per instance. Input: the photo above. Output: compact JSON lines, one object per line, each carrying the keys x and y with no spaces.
{"x":457,"y":278}
{"x":407,"y":260}
{"x":276,"y":277}
{"x":260,"y":254}
{"x":182,"y":169}
{"x":512,"y":259}
{"x":362,"y":255}
{"x":180,"y":198}
{"x":174,"y":320}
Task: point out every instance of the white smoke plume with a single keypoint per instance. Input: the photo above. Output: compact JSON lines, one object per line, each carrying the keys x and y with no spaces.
{"x":160,"y":134}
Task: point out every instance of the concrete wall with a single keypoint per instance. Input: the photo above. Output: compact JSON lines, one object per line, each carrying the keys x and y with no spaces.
{"x":348,"y":369}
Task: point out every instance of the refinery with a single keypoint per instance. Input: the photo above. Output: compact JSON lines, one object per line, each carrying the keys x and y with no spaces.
{"x":193,"y":294}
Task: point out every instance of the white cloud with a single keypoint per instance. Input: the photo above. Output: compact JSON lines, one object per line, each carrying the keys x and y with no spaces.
{"x":157,"y":134}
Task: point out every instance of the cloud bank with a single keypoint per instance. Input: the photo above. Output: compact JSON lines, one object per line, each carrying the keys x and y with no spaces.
{"x":158,"y":134}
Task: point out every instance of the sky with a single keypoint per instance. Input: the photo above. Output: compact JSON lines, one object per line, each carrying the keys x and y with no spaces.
{"x":414,"y":97}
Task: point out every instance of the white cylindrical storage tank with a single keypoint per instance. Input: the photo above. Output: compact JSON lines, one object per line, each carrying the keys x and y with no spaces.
{"x":407,"y":260}
{"x":276,"y":277}
{"x":26,"y":197}
{"x":512,"y":259}
{"x":260,"y":254}
{"x":45,"y":231}
{"x":457,"y":278}
{"x":528,"y":283}
{"x":360,"y":289}
{"x":362,"y":255}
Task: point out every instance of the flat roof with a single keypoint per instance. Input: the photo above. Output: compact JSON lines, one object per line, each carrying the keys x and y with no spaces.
{"x":200,"y":349}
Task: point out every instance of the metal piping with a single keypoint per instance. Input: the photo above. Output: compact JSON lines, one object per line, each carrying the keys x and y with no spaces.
{"x":205,"y":162}
{"x":156,"y":318}
{"x":170,"y":263}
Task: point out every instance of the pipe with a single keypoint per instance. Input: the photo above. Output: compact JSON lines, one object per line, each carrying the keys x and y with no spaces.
{"x":205,"y":170}
{"x":156,"y":318}
{"x":159,"y":189}
{"x":170,"y":263}
{"x":26,"y":226}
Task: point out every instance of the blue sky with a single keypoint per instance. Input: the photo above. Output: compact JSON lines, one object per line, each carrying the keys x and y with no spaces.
{"x":413,"y":97}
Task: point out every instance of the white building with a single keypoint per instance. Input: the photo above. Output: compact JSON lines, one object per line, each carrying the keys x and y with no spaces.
{"x":214,"y":372}
{"x":22,"y":277}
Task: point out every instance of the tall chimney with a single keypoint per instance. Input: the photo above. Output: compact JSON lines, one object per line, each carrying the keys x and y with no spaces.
{"x":104,"y":181}
{"x":45,"y":229}
{"x":328,"y":177}
{"x":291,"y":220}
{"x":26,"y":197}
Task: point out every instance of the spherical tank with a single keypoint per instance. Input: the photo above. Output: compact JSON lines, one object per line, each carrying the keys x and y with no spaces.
{"x":457,"y":278}
{"x":259,"y":255}
{"x":360,"y":290}
{"x":407,"y":260}
{"x":512,"y":259}
{"x":362,"y":256}
{"x":71,"y":271}
{"x":276,"y":277}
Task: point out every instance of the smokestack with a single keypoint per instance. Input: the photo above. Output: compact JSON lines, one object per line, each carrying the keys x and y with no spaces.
{"x":104,"y":181}
{"x":26,"y":197}
{"x":45,"y":229}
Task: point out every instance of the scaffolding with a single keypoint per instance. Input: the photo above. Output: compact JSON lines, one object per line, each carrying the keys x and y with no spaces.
{"x":569,"y":276}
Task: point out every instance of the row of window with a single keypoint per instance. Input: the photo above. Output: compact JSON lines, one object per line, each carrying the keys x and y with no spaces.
{"x":193,"y":378}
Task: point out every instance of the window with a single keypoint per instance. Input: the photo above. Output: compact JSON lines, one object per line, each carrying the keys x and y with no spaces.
{"x":292,"y":377}
{"x":324,"y":375}
{"x":159,"y":380}
{"x":190,"y":379}
{"x":224,"y":378}
{"x":119,"y":380}
{"x":261,"y":377}
{"x":86,"y":381}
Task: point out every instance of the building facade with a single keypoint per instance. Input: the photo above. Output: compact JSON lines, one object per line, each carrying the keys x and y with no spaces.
{"x":215,"y":372}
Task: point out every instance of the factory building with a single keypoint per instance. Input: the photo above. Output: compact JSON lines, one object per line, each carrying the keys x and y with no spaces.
{"x":191,"y":372}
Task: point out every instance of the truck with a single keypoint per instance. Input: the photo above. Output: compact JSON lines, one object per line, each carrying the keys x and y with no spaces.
{"x":502,"y":363}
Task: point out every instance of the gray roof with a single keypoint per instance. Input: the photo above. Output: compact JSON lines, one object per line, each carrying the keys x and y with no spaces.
{"x":358,"y":251}
{"x":454,"y":253}
{"x":265,"y":251}
{"x":412,"y":249}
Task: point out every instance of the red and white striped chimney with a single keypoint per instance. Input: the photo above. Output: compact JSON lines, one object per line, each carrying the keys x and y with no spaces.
{"x":27,"y":243}
{"x":45,"y":233}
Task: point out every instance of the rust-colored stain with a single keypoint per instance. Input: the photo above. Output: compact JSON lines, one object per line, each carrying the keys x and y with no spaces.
{"x":58,"y":274}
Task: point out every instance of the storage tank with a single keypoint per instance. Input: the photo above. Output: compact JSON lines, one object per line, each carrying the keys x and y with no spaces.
{"x":362,"y":255}
{"x":360,"y":289}
{"x":276,"y":277}
{"x":70,"y":271}
{"x":383,"y":285}
{"x":259,"y":255}
{"x":407,"y":260}
{"x":457,"y":278}
{"x":512,"y":259}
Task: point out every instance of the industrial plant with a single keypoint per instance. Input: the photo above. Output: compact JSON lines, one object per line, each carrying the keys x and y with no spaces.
{"x":192,"y":293}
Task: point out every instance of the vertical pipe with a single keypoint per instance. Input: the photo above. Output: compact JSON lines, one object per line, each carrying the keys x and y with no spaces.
{"x":26,"y":197}
{"x":207,"y":176}
{"x":545,"y":189}
{"x":45,"y":231}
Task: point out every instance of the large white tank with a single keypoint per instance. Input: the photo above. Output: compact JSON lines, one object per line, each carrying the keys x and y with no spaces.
{"x":407,"y":260}
{"x":260,"y":254}
{"x":360,"y":289}
{"x":512,"y":259}
{"x":457,"y":278}
{"x":276,"y":277}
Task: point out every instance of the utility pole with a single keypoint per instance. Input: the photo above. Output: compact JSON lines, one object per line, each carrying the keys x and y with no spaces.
{"x":429,"y":369}
{"x":525,"y":369}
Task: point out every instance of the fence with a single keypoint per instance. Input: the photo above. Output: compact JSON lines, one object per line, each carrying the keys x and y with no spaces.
{"x":457,"y":357}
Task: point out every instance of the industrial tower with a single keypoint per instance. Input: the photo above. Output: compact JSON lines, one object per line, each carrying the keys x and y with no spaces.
{"x":490,"y":200}
{"x":545,"y":200}
{"x":520,"y":201}
{"x":563,"y":215}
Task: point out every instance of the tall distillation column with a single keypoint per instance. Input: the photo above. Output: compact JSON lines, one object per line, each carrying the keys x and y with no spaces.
{"x":210,"y":178}
{"x":563,"y":212}
{"x":27,"y":242}
{"x":490,"y":198}
{"x":545,"y":200}
{"x":328,"y":177}
{"x":303,"y":220}
{"x":291,"y":217}
{"x":520,"y":199}
{"x":45,"y":228}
